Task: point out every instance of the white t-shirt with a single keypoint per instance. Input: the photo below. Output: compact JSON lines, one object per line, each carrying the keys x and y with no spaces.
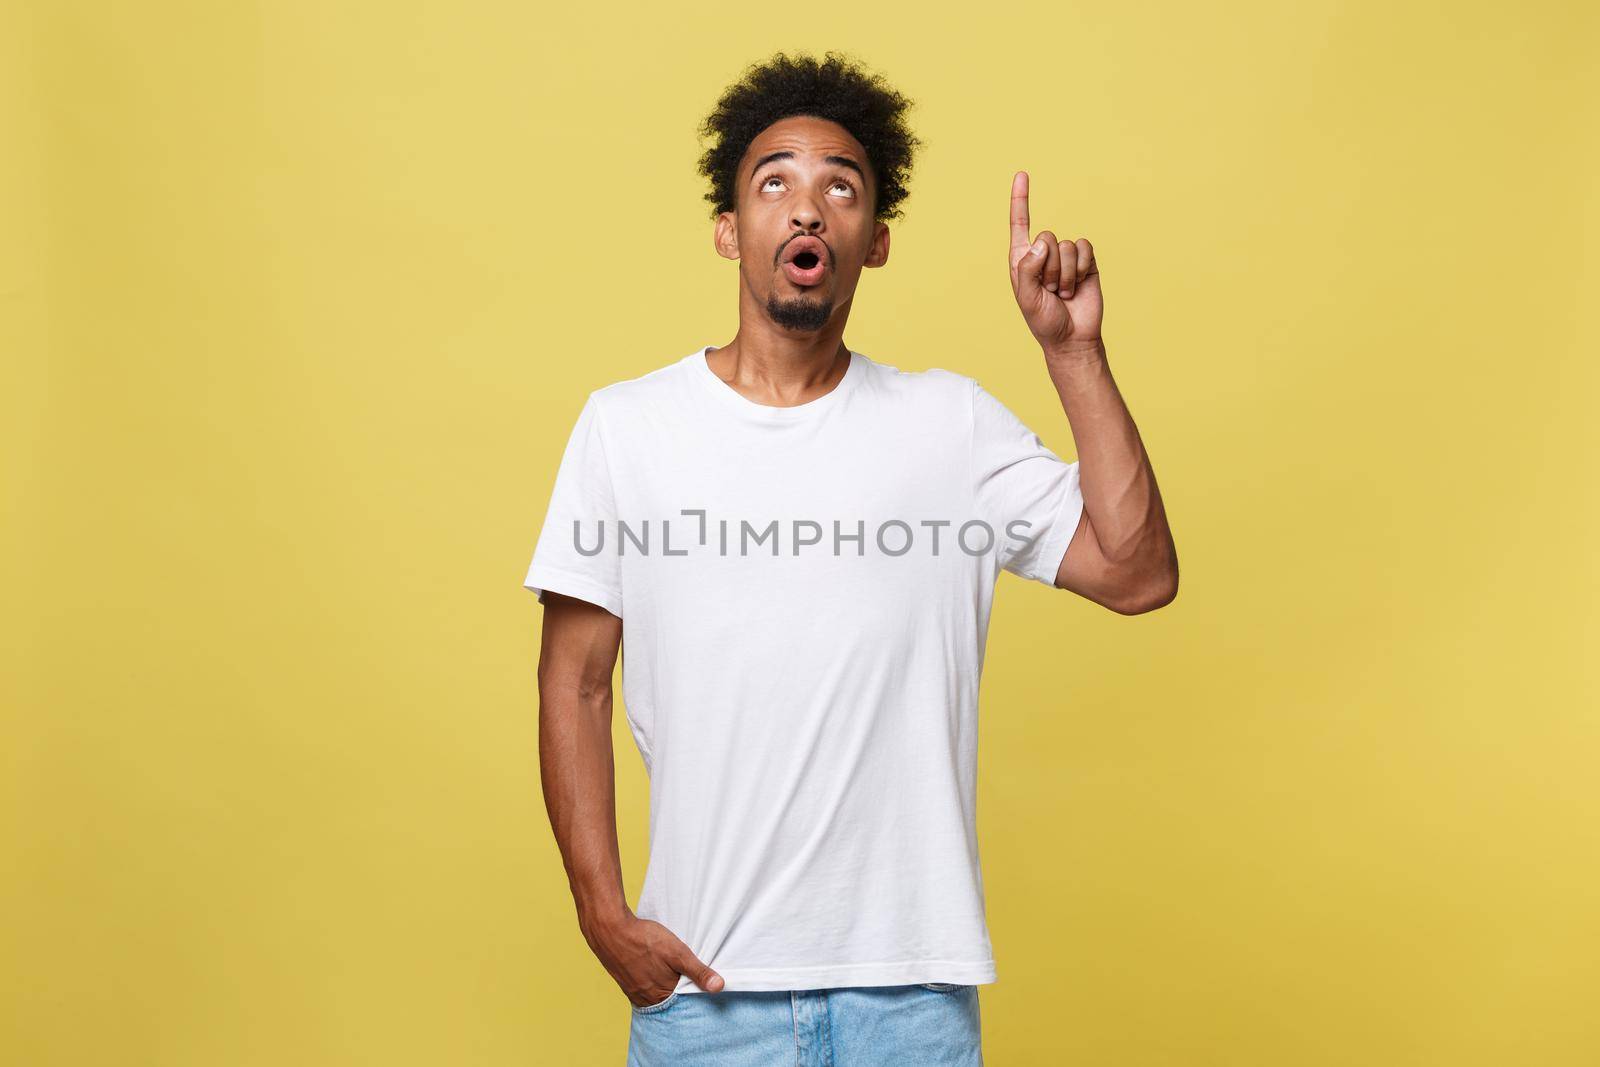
{"x":804,"y":594}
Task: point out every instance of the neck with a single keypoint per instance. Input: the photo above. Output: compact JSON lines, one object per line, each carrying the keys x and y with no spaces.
{"x":781,"y":370}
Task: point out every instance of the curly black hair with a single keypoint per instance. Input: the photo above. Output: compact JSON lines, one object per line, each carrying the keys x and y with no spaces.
{"x":835,"y":88}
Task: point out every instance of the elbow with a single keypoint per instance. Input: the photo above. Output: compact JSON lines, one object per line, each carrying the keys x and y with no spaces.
{"x":562,"y":682}
{"x":1141,"y":579}
{"x":1163,"y":595}
{"x":1149,"y":594}
{"x":583,"y":692}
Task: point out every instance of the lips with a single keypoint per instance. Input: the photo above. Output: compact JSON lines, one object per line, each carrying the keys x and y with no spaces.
{"x":805,"y":260}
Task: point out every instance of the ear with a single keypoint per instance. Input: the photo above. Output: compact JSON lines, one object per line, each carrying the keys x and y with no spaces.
{"x":878,"y":252}
{"x":725,"y":238}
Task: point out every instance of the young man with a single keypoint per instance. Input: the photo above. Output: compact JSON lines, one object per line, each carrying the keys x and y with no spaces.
{"x":796,"y":547}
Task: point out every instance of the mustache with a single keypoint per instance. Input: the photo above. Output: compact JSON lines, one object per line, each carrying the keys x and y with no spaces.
{"x":777,"y":257}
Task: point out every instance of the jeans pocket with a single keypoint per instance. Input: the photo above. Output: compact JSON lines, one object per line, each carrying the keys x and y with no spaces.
{"x":942,"y":987}
{"x":651,"y":1009}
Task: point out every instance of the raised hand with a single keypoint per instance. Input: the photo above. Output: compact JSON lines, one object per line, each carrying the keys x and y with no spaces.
{"x":1057,"y":284}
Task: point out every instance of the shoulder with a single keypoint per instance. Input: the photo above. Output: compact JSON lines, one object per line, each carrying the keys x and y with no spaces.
{"x":650,"y":391}
{"x":934,"y":385}
{"x":957,"y":398}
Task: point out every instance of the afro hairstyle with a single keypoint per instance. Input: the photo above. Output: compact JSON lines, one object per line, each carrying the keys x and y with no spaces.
{"x":834,"y":88}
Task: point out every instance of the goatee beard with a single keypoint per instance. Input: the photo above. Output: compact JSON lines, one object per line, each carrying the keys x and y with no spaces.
{"x":800,"y":313}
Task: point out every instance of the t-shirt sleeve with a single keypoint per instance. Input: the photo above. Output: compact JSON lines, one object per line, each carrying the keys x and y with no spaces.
{"x":1028,"y":494}
{"x":573,"y":555}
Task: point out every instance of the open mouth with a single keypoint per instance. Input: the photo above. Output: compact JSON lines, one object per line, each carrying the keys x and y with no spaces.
{"x":805,"y":267}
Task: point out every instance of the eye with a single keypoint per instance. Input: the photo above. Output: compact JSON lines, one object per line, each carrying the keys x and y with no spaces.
{"x":836,"y":182}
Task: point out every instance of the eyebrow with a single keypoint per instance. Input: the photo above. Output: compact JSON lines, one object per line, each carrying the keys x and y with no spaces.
{"x":841,"y":161}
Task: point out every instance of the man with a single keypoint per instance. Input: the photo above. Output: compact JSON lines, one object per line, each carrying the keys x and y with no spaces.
{"x":795,"y":547}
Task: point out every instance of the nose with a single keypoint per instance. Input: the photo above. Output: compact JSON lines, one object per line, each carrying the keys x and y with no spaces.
{"x":806,"y":219}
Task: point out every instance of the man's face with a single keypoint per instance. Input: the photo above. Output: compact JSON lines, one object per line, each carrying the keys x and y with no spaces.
{"x":803,"y":226}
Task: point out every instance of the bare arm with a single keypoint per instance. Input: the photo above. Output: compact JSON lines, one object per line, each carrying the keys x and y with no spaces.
{"x":1122,"y":555}
{"x":577,"y":655}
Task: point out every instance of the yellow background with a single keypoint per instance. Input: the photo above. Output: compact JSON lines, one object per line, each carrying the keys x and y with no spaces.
{"x":300,"y":301}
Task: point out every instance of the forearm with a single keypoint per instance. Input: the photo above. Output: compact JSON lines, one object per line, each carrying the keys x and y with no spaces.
{"x":1114,"y":472}
{"x":579,"y":778}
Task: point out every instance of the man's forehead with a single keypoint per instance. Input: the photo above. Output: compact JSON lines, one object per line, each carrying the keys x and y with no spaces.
{"x":818,"y":139}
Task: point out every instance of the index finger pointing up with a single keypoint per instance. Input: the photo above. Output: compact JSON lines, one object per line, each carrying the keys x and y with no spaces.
{"x":1019,"y":216}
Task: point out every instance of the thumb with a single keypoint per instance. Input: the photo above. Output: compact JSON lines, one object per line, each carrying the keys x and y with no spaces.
{"x":703,"y":976}
{"x":1030,"y":271}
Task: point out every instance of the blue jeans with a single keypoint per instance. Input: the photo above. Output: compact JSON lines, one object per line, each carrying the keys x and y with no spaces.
{"x":931,"y":1024}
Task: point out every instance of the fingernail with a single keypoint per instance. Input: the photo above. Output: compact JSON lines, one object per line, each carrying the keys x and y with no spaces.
{"x":1038,"y":246}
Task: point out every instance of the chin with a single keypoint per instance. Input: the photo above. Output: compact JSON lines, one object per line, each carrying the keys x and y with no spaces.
{"x":806,"y":312}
